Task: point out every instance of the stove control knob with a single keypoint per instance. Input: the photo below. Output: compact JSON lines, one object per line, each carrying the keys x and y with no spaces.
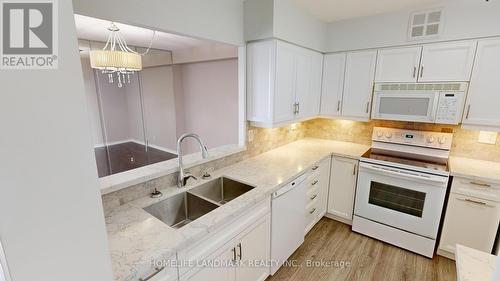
{"x":380,"y":134}
{"x":388,"y":135}
{"x":430,"y":139}
{"x":442,"y":140}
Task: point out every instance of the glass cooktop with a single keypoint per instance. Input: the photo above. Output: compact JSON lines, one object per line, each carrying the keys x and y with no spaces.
{"x":418,"y":164}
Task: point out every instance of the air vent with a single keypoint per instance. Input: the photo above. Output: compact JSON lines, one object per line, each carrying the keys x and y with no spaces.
{"x":421,"y":87}
{"x":425,"y":24}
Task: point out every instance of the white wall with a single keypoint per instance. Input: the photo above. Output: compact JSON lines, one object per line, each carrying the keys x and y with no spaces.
{"x":463,"y":19}
{"x":283,"y":19}
{"x":206,"y":96}
{"x":159,"y":106}
{"x":219,"y":20}
{"x":92,"y":100}
{"x":51,"y":218}
{"x":295,"y":25}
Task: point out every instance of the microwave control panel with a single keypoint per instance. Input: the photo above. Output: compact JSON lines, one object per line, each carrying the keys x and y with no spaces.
{"x":450,"y":108}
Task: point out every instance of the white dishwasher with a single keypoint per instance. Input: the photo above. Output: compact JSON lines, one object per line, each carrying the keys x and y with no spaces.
{"x":288,"y":221}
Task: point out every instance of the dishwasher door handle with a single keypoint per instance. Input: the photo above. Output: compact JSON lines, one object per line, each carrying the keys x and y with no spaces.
{"x":289,"y":186}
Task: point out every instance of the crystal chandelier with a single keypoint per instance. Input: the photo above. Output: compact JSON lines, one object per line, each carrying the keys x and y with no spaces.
{"x":116,"y":59}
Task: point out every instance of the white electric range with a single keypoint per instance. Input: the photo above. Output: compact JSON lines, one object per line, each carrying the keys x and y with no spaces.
{"x":401,"y":188}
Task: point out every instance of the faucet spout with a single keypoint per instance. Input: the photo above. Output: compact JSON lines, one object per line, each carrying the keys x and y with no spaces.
{"x":183,"y":176}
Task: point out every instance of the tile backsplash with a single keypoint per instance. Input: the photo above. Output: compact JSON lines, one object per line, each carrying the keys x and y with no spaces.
{"x":465,"y":142}
{"x":260,"y":140}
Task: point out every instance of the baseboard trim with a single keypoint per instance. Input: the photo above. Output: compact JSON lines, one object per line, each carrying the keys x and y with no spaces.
{"x":342,"y":220}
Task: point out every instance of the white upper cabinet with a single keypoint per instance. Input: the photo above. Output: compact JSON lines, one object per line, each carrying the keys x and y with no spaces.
{"x":398,"y":64}
{"x":482,"y":107}
{"x":283,"y":83}
{"x":333,"y":85}
{"x":358,"y":85}
{"x":309,"y":75}
{"x":285,"y":87}
{"x":447,"y":62}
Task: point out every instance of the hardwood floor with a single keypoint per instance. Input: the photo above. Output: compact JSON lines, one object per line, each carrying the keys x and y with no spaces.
{"x":358,"y":257}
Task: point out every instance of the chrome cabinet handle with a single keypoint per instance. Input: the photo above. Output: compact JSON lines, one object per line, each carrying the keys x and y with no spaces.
{"x":354,"y":169}
{"x":295,"y":108}
{"x":314,"y":182}
{"x":338,"y":106}
{"x":468,"y":200}
{"x":312,"y":211}
{"x":234,"y":254}
{"x":368,"y":107}
{"x":314,"y":196}
{"x":468,"y":111}
{"x":298,"y":107}
{"x":414,"y":71}
{"x":421,"y":71}
{"x":480,"y":184}
{"x":157,"y":270}
{"x":315,"y":167}
{"x":240,"y":256}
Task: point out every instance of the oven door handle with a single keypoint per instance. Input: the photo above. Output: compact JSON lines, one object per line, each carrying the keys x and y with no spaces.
{"x":406,"y":174}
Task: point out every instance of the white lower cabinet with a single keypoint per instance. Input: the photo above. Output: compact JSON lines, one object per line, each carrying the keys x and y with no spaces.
{"x":472,"y":217}
{"x":342,"y":188}
{"x":222,"y":269}
{"x":317,"y":193}
{"x":240,"y":251}
{"x":253,"y":251}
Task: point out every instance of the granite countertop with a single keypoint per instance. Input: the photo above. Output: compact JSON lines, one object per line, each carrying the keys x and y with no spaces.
{"x":475,"y":169}
{"x":474,"y":265}
{"x":136,"y":238}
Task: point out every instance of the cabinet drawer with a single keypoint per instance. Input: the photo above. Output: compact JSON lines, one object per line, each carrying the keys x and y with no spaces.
{"x":471,"y":222}
{"x":313,"y":179}
{"x":312,"y":194}
{"x":312,"y":212}
{"x":476,"y":188}
{"x":313,"y":206}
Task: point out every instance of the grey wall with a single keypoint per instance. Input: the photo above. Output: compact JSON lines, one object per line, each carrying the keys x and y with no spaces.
{"x":206,"y":95}
{"x":159,"y":104}
{"x":51,"y":218}
{"x":219,"y":20}
{"x":463,"y":19}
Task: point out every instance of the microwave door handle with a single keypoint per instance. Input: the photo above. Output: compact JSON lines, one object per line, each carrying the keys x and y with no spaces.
{"x":403,"y":174}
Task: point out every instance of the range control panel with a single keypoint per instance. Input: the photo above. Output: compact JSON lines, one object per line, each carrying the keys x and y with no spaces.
{"x":412,"y":137}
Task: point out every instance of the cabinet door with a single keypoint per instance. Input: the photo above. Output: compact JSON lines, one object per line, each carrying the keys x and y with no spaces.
{"x":222,"y":269}
{"x":483,"y":98}
{"x":398,"y":65}
{"x":358,"y":85}
{"x":309,"y":75}
{"x":254,"y":252}
{"x":342,"y":187}
{"x":284,"y":93}
{"x":303,"y":82}
{"x":447,"y":62}
{"x":470,"y":222}
{"x":333,"y":84}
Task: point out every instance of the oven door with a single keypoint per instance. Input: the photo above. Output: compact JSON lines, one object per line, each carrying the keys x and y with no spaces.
{"x":404,"y":199}
{"x":414,"y":106}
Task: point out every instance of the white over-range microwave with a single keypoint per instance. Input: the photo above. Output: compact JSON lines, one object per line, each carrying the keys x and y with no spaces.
{"x":441,"y":103}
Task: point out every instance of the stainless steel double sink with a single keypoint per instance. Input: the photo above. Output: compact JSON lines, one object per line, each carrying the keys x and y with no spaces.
{"x":183,"y":208}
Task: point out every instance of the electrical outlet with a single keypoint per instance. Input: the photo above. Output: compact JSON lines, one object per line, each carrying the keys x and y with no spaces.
{"x":487,"y":137}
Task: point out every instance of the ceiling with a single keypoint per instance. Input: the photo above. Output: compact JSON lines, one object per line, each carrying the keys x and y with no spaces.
{"x":335,"y":10}
{"x":97,"y":30}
